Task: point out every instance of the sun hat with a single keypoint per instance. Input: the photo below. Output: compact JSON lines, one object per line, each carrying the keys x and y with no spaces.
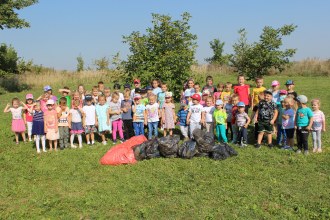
{"x":302,"y":99}
{"x":168,"y":94}
{"x":29,"y":96}
{"x":47,"y":88}
{"x":289,"y":82}
{"x":137,"y":96}
{"x":275,"y":83}
{"x":219,"y":102}
{"x":187,"y":93}
{"x":196,"y":97}
{"x":50,"y":102}
{"x":283,"y":92}
{"x":240,"y":104}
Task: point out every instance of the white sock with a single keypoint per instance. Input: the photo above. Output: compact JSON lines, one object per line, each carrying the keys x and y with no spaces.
{"x":80,"y":140}
{"x":38,"y":143}
{"x":43,"y":142}
{"x":71,"y":139}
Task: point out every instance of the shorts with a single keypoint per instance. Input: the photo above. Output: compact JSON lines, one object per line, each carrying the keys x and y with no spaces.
{"x":265,"y":127}
{"x":90,"y":129}
{"x":289,"y":133}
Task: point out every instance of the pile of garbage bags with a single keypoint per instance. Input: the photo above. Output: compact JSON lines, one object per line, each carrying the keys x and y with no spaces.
{"x":203,"y":145}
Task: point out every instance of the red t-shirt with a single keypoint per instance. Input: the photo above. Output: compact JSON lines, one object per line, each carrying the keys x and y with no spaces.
{"x":243,"y":92}
{"x":28,"y":116}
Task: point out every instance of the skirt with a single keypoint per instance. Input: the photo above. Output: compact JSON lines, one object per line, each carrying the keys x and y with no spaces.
{"x":38,"y":128}
{"x":52,"y":135}
{"x":17,"y":125}
{"x":76,"y":128}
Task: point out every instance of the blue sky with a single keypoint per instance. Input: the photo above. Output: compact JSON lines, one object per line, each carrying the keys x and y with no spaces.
{"x":61,"y":30}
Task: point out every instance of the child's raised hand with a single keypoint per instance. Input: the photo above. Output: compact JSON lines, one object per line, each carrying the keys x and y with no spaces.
{"x":8,"y":105}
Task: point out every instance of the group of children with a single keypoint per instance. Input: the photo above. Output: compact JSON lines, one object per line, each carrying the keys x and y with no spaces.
{"x":223,"y":108}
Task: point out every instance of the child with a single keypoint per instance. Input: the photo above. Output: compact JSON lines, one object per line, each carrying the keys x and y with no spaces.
{"x":261,"y":96}
{"x":116,"y":88}
{"x":89,"y":119}
{"x":276,"y":91}
{"x":43,"y":100}
{"x":127,"y":88}
{"x":303,"y":123}
{"x":38,"y":127}
{"x":318,"y":125}
{"x":161,"y":95}
{"x":144,"y":97}
{"x":234,"y":100}
{"x":149,"y":90}
{"x":281,"y":135}
{"x":205,"y":95}
{"x":194,"y":116}
{"x":81,"y":91}
{"x":76,"y":123}
{"x":220,"y":118}
{"x":95,"y":95}
{"x":137,"y":84}
{"x":256,"y":91}
{"x":100,"y":87}
{"x":187,"y":98}
{"x":197,"y":89}
{"x":209,"y":86}
{"x":107,"y":94}
{"x":153,"y":113}
{"x":207,"y":116}
{"x":265,"y":116}
{"x":101,"y":110}
{"x":229,"y":107}
{"x":28,"y":118}
{"x":168,"y":114}
{"x":63,"y":124}
{"x":190,"y":86}
{"x":51,"y":125}
{"x":217,"y":94}
{"x":66,"y":92}
{"x":139,"y":117}
{"x":17,"y":125}
{"x":114,"y":112}
{"x":156,"y":86}
{"x":242,"y":122}
{"x":126,"y":107}
{"x":288,"y":123}
{"x":243,"y":91}
{"x":289,"y":87}
{"x":226,"y":92}
{"x":49,"y":90}
{"x":76,"y":97}
{"x":182,"y":115}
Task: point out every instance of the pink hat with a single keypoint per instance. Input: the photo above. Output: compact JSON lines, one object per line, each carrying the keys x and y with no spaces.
{"x":29,"y":96}
{"x":283,"y":92}
{"x":275,"y":83}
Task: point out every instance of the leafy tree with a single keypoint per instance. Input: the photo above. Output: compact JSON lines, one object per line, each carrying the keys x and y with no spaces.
{"x":102,"y":63}
{"x":80,"y":64}
{"x":8,"y":16}
{"x":8,"y":59}
{"x":256,"y":59}
{"x":166,"y":51}
{"x":218,"y":58}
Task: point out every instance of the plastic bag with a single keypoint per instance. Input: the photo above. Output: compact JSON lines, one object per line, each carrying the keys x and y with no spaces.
{"x":230,"y":150}
{"x":205,"y":140}
{"x":147,"y":150}
{"x":188,"y":149}
{"x":168,"y":146}
{"x":219,"y":152}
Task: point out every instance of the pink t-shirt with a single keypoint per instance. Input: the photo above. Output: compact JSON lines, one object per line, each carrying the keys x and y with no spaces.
{"x":318,"y":120}
{"x":28,"y":115}
{"x":50,"y":118}
{"x":243,"y":92}
{"x":216,"y":95}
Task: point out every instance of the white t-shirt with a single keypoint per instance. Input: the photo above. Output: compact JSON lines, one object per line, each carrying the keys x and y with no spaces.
{"x":208,"y":113}
{"x":196,"y":112}
{"x":89,"y":111}
{"x":75,"y":115}
{"x":152,"y":112}
{"x":16,"y":112}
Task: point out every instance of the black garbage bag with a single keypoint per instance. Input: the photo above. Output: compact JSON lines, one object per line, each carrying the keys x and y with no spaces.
{"x":219,"y":152}
{"x":205,"y":140}
{"x":139,"y":151}
{"x":230,"y":150}
{"x":151,"y":149}
{"x":188,"y":150}
{"x":168,"y":146}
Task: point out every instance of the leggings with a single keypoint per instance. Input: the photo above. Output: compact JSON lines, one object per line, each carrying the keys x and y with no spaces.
{"x":302,"y":138}
{"x":29,"y":128}
{"x":317,"y":143}
{"x":117,"y":125}
{"x":221,"y":133}
{"x":43,"y":142}
{"x":229,"y":128}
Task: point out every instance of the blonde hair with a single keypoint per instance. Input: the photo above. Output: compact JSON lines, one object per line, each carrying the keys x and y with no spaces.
{"x":76,"y":103}
{"x":316,"y":101}
{"x":115,"y":95}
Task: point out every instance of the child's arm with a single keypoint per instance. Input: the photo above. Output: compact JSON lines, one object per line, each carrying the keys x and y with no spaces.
{"x":203,"y":118}
{"x":65,"y":90}
{"x":323,"y":123}
{"x":69,"y":119}
{"x":256,"y":116}
{"x":188,"y":117}
{"x":145,"y":114}
{"x":248,"y":121}
{"x":108,"y":117}
{"x":7,"y":108}
{"x":174,"y":115}
{"x":56,"y":122}
{"x":163,"y":116}
{"x":311,"y":119}
{"x":24,"y":106}
{"x":83,"y":115}
{"x":40,"y":97}
{"x":45,"y":124}
{"x":96,"y":121}
{"x":275,"y":117}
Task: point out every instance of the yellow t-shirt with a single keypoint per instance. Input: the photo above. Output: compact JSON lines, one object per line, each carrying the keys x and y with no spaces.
{"x":255,"y":93}
{"x":225,"y":94}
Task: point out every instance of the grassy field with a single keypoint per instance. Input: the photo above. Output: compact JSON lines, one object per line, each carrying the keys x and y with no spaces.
{"x":257,"y":184}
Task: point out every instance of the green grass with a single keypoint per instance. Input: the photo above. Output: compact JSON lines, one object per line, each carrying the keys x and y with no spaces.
{"x":257,"y":184}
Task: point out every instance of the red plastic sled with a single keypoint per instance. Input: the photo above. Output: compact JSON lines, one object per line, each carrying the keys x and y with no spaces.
{"x":122,"y":153}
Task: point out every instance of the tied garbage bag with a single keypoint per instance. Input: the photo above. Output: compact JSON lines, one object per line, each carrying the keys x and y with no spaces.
{"x":147,"y":150}
{"x":168,"y":146}
{"x":230,"y":150}
{"x":205,"y":141}
{"x":188,"y":149}
{"x":222,"y":151}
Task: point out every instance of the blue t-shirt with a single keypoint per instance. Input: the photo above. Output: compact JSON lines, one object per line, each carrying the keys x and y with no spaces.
{"x":128,"y":105}
{"x":303,"y":115}
{"x":161,"y":99}
{"x":182,"y":115}
{"x":139,"y":113}
{"x":156,"y":90}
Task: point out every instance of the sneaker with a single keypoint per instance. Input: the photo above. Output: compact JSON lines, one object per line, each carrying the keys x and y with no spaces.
{"x":44,"y":151}
{"x":92,"y":143}
{"x":88,"y":143}
{"x":298,"y":151}
{"x":38,"y":151}
{"x":122,"y":140}
{"x":244,"y":144}
{"x":306,"y":152}
{"x":270,"y":146}
{"x":80,"y":146}
{"x":314,"y":149}
{"x":114,"y":142}
{"x":104,"y":142}
{"x":258,"y":146}
{"x":319,"y":150}
{"x":73,"y":146}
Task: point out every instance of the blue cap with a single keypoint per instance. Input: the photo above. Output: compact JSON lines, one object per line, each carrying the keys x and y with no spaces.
{"x":47,"y":88}
{"x":219,"y":102}
{"x":240,"y":104}
{"x":148,"y":87}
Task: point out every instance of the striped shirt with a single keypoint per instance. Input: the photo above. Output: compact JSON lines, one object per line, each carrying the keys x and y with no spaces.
{"x":38,"y":116}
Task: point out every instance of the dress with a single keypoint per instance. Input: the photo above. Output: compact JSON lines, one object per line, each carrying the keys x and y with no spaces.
{"x":17,"y":124}
{"x":38,"y":123}
{"x":168,"y":112}
{"x":51,"y":125}
{"x":101,"y":112}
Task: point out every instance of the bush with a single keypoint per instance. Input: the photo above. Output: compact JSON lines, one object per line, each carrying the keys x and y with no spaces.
{"x":12,"y":84}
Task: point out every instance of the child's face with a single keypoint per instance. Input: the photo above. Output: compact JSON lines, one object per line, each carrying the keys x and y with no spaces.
{"x":95,"y":92}
{"x":289,"y":87}
{"x":101,"y":100}
{"x":241,"y":80}
{"x":208,"y":102}
{"x":190,"y":84}
{"x":164,"y":88}
{"x":126,"y":98}
{"x":209,"y":82}
{"x":287,"y":103}
{"x":63,"y":105}
{"x":197,"y":88}
{"x":227,"y":88}
{"x":137,"y":85}
{"x":259,"y":83}
{"x":37,"y":107}
{"x":76,"y":96}
{"x":168,"y":99}
{"x":64,"y":94}
{"x":49,"y":107}
{"x":46,"y":95}
{"x":204,"y":97}
{"x":195,"y":102}
{"x":115,"y":99}
{"x":152,"y":100}
{"x":89,"y":102}
{"x":155,"y":84}
{"x":235,"y":101}
{"x":15,"y":104}
{"x":268,"y":97}
{"x":101,"y":87}
{"x":275,"y":88}
{"x":315,"y":106}
{"x":50,"y":92}
{"x":149,"y":92}
{"x":241,"y":109}
{"x":107,"y":93}
{"x":219,"y":107}
{"x":137,"y":101}
{"x":81,"y":89}
{"x":29,"y":101}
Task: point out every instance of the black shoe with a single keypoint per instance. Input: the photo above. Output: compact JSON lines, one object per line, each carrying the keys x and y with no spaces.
{"x":270,"y":146}
{"x":258,"y":146}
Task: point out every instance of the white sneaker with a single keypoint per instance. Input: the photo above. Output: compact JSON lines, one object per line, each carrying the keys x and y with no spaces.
{"x":93,"y":142}
{"x":73,"y":146}
{"x":80,"y":146}
{"x":104,"y":143}
{"x":88,"y":143}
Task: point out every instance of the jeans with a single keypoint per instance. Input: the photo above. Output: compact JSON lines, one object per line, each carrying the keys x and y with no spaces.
{"x":184,"y":131}
{"x":193,"y":126}
{"x":317,"y":139}
{"x":235,"y":132}
{"x":117,"y":125}
{"x":138,"y":128}
{"x":221,"y":132}
{"x":152,"y":126}
{"x":281,"y":135}
{"x":242,"y":135}
{"x":302,"y":138}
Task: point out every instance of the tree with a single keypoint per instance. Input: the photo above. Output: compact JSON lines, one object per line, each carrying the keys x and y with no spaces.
{"x":102,"y":63}
{"x":9,"y":18}
{"x":165,"y":52}
{"x":8,"y":59}
{"x":80,"y":64}
{"x":256,"y":59}
{"x":218,"y":58}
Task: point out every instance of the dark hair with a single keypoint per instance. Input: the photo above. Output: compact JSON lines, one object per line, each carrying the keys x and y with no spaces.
{"x":116,"y":86}
{"x":65,"y":87}
{"x":158,"y":81}
{"x":209,"y":78}
{"x":240,"y":75}
{"x":100,"y":82}
{"x":62,"y":100}
{"x":14,"y":100}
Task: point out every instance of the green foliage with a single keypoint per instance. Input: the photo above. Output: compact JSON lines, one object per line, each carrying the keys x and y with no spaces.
{"x":258,"y":58}
{"x":165,"y":52}
{"x":8,"y":16}
{"x":102,"y":63}
{"x":8,"y":59}
{"x":218,"y":58}
{"x":80,"y":64}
